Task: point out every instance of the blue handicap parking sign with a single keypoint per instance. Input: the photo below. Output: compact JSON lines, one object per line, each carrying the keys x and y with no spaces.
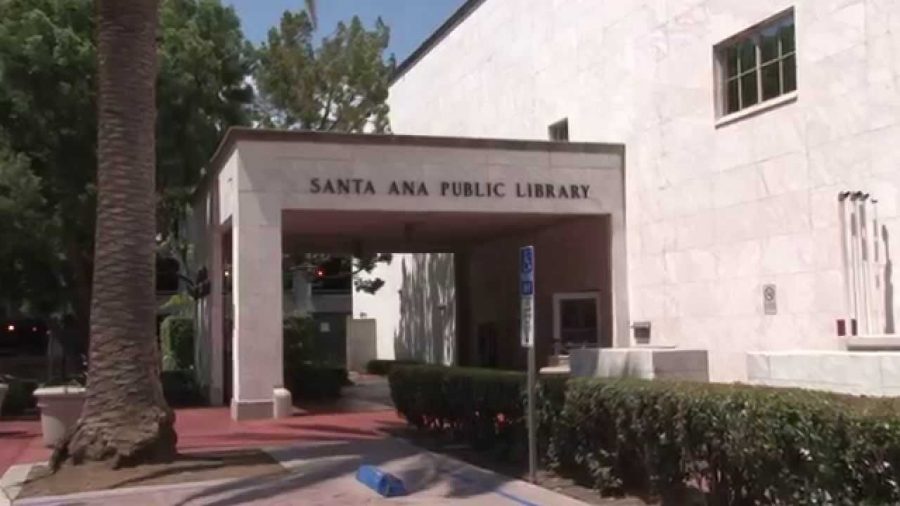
{"x":526,"y":271}
{"x":527,"y":288}
{"x":526,"y":260}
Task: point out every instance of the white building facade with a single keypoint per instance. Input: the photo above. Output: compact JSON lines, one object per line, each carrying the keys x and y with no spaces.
{"x":743,"y":122}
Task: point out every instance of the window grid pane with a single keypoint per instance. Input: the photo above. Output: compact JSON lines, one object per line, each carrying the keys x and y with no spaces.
{"x":789,"y":73}
{"x":760,"y":66}
{"x":749,"y":90}
{"x":732,"y":96}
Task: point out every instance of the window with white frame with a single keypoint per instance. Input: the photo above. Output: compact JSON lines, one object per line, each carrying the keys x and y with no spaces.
{"x":757,"y":65}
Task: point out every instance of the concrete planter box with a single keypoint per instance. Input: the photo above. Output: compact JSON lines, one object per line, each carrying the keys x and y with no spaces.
{"x":3,"y":389}
{"x":641,"y":362}
{"x":873,"y":373}
{"x":60,"y":408}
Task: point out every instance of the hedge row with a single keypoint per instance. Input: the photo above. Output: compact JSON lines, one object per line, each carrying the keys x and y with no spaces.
{"x":315,"y":382}
{"x":483,"y":407}
{"x":740,"y":444}
{"x":19,"y":398}
{"x":306,"y":375}
{"x":382,"y":367}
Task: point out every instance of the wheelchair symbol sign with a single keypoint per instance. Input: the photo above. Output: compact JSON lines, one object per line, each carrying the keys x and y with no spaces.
{"x":526,"y":261}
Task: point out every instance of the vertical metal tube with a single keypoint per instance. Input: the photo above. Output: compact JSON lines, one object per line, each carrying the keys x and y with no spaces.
{"x":878,"y":284}
{"x":854,"y":262}
{"x":845,"y":256}
{"x":866,"y":259}
{"x":532,"y":423}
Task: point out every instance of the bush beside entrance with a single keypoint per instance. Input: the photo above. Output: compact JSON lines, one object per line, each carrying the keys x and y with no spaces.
{"x":307,"y":374}
{"x":741,"y":444}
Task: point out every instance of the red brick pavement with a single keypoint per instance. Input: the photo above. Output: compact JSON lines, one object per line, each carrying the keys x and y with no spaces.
{"x":204,"y":429}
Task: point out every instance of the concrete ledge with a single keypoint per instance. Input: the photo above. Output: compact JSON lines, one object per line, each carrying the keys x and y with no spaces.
{"x":873,"y":343}
{"x":643,"y":362}
{"x":873,"y":373}
{"x":252,"y":410}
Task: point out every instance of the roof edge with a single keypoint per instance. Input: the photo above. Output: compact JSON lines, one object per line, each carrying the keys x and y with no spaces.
{"x":237,"y":133}
{"x":437,"y":36}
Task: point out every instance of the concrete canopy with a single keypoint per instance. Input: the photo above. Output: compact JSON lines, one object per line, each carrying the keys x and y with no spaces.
{"x":324,"y":192}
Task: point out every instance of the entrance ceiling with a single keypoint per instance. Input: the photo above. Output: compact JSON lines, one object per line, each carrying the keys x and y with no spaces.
{"x":347,"y":231}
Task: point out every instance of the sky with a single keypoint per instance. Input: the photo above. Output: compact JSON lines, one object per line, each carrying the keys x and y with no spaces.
{"x":410,"y":21}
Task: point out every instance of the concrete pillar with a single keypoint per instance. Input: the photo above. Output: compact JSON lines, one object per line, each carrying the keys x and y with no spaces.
{"x":302,"y":293}
{"x":618,"y":259}
{"x":258,"y":305}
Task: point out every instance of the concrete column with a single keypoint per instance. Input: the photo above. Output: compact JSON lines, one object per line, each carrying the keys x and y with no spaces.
{"x":258,"y":305}
{"x":618,"y":259}
{"x":302,"y":293}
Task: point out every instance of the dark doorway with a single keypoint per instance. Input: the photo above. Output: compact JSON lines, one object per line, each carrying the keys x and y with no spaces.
{"x":487,"y":345}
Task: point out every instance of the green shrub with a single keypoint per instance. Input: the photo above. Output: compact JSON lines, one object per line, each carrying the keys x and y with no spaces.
{"x":19,"y":398}
{"x":315,"y":382}
{"x":306,"y":375}
{"x":483,"y":407}
{"x":180,"y":389}
{"x":380,"y":367}
{"x":177,"y":335}
{"x":742,"y":444}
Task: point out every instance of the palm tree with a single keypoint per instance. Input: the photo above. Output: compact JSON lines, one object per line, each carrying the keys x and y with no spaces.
{"x":311,"y":9}
{"x":125,"y":420}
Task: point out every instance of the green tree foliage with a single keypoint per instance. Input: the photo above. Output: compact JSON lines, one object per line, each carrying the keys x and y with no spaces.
{"x":48,"y":114}
{"x":27,"y":260}
{"x":340,"y":85}
{"x":202,"y":90}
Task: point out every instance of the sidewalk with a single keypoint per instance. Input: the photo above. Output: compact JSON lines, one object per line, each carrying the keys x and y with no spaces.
{"x":323,"y":474}
{"x":320,"y":447}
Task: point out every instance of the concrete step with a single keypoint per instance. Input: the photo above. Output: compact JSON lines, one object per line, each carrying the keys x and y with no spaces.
{"x":558,"y":361}
{"x":559,"y":369}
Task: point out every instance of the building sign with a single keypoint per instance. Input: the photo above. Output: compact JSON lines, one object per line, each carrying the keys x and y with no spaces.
{"x":526,"y":294}
{"x":461,"y":189}
{"x":770,"y":304}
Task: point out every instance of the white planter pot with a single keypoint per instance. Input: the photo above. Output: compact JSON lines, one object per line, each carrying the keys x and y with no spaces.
{"x":60,"y":408}
{"x":3,"y":389}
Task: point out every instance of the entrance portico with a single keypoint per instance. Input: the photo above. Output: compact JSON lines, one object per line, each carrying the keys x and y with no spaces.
{"x":478,"y":199}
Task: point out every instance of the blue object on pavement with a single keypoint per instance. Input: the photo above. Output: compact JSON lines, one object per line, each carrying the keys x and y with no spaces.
{"x":386,"y":484}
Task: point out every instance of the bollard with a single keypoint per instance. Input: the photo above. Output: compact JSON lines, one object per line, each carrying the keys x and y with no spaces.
{"x":281,"y":405}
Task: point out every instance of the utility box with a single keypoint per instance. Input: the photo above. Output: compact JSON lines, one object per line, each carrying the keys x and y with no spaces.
{"x":361,"y":343}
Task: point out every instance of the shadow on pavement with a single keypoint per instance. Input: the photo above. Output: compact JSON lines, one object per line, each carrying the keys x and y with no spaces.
{"x":315,"y":464}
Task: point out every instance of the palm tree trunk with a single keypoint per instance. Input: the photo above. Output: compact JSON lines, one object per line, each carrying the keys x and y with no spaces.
{"x":125,"y":420}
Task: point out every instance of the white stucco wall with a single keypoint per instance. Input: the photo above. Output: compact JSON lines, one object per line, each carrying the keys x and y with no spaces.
{"x":383,"y":306}
{"x":712,"y":213}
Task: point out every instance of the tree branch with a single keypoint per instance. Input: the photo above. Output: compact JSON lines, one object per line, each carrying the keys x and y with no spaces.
{"x":327,"y":112}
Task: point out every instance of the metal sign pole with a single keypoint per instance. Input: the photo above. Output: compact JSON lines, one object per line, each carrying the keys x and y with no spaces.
{"x":526,"y":293}
{"x":532,"y":426}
